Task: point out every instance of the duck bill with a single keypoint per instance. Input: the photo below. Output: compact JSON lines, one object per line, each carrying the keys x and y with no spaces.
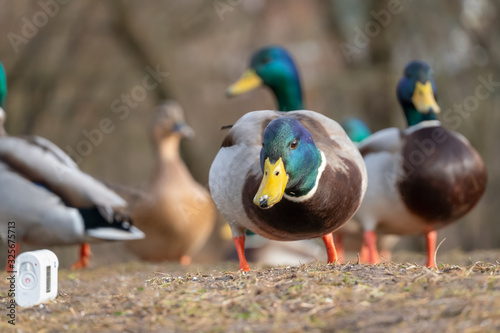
{"x":273,"y":184}
{"x":248,"y":81}
{"x":184,"y":129}
{"x":423,"y":98}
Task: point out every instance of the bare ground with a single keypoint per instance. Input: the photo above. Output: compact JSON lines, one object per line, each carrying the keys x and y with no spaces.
{"x":141,"y":297}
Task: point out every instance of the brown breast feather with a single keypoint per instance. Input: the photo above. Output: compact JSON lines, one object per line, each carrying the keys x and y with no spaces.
{"x":337,"y":198}
{"x":442,"y":176}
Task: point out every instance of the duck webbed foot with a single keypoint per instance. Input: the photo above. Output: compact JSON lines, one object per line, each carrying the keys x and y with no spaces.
{"x":85,"y":254}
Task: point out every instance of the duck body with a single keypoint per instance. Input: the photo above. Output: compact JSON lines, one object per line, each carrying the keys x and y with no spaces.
{"x":237,"y":171}
{"x":422,"y":178}
{"x":428,"y":183}
{"x":51,"y":201}
{"x":176,"y":213}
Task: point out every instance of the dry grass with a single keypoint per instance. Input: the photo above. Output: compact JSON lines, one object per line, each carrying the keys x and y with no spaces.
{"x":390,"y":297}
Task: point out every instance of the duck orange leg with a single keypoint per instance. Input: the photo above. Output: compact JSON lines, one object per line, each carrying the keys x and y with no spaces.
{"x":364,"y":254}
{"x":239,"y":242}
{"x":339,"y":246}
{"x":11,"y":258}
{"x":370,"y":239}
{"x":185,"y":260}
{"x":85,"y":254}
{"x":431,"y":237}
{"x":330,"y":248}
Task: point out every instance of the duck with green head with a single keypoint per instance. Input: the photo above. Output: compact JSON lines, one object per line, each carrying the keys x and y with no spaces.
{"x":274,"y":173}
{"x":51,"y":200}
{"x":421,"y":178}
{"x":274,"y":67}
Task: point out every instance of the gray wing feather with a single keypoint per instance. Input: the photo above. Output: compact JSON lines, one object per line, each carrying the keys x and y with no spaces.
{"x":42,"y":164}
{"x":41,"y":217}
{"x":386,"y":140}
{"x":51,"y":148}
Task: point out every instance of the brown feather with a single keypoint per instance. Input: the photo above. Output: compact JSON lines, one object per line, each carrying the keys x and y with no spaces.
{"x":443,"y":176}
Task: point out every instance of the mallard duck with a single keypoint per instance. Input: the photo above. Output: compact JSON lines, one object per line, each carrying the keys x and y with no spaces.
{"x":274,"y":67}
{"x":421,"y":178}
{"x":50,"y":200}
{"x":287,"y":176}
{"x":176,"y":213}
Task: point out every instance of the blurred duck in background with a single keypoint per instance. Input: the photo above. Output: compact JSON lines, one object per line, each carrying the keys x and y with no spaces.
{"x":50,"y":201}
{"x":421,"y":178}
{"x":176,"y":213}
{"x":356,"y":129}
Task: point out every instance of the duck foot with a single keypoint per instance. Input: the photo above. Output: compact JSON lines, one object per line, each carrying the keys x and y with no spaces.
{"x":185,"y":260}
{"x":364,"y":257}
{"x":85,"y":254}
{"x":370,"y":240}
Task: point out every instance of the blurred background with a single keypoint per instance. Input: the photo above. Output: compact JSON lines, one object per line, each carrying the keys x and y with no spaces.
{"x":71,"y":64}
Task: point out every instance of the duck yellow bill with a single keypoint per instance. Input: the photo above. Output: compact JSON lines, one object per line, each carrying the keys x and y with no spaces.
{"x":248,"y":81}
{"x":423,"y":98}
{"x":273,"y":184}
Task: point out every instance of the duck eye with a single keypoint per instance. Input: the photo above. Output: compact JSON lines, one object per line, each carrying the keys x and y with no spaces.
{"x":294,"y":144}
{"x":266,"y":60}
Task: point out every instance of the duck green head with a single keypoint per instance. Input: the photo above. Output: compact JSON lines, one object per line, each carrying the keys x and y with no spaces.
{"x":417,"y":93}
{"x":290,"y":162}
{"x":3,"y":86}
{"x":356,"y":129}
{"x":273,"y":67}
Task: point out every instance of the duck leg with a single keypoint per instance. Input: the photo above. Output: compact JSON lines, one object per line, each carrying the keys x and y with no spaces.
{"x":239,"y":242}
{"x":364,"y":254}
{"x":337,"y":239}
{"x":85,"y":254}
{"x":370,"y":240}
{"x":330,"y":248}
{"x":431,"y":238}
{"x":185,"y":260}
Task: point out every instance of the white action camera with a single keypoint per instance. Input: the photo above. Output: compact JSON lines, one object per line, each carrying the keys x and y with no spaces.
{"x":36,"y":277}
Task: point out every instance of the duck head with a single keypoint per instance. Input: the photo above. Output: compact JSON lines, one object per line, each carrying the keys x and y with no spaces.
{"x":289,"y":161}
{"x":168,"y":121}
{"x":272,"y":66}
{"x":356,"y":129}
{"x":417,"y":93}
